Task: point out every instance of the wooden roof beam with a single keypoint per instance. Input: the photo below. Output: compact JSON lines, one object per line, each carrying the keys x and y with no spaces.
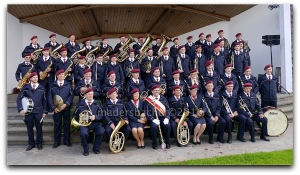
{"x":200,"y":12}
{"x":158,"y":22}
{"x":93,"y":21}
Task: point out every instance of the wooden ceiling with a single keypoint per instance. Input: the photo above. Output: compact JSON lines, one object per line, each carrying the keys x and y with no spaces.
{"x":112,"y":20}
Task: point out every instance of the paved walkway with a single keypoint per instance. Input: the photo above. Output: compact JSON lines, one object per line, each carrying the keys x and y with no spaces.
{"x":63,"y":155}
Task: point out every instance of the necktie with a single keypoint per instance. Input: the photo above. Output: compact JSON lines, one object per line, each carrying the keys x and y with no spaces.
{"x":112,"y":84}
{"x":35,"y":47}
{"x":229,"y":76}
{"x":54,"y":44}
{"x":86,"y":82}
{"x":176,"y":82}
{"x":165,"y":58}
{"x":73,"y":44}
{"x":157,"y":79}
{"x":64,"y":60}
{"x":114,"y":102}
{"x":60,"y":84}
{"x":230,"y":95}
{"x":195,"y":82}
{"x":26,"y":64}
{"x":33,"y":87}
{"x":89,"y":103}
{"x":156,"y":98}
{"x":269,"y":77}
{"x":104,"y":46}
{"x":176,"y":47}
{"x":150,"y":59}
{"x":210,"y":95}
{"x":190,"y":44}
{"x":248,"y":95}
{"x":135,"y":102}
{"x":209,"y":43}
{"x":238,"y":53}
{"x":177,"y":98}
{"x":182,"y":56}
{"x":210,"y":74}
{"x":136,"y":82}
{"x":45,"y":60}
{"x":199,"y":56}
{"x":194,"y":98}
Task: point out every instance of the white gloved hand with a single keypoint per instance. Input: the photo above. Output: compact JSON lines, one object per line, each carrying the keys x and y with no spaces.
{"x":166,"y":121}
{"x":156,"y":121}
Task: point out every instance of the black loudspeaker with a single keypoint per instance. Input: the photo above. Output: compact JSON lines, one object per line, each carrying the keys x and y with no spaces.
{"x":271,"y":40}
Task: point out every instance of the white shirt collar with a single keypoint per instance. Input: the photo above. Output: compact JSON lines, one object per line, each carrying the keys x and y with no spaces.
{"x":62,"y":59}
{"x":176,"y":97}
{"x":177,"y":81}
{"x":110,"y":82}
{"x":158,"y":97}
{"x":228,"y":93}
{"x":112,"y":101}
{"x":86,"y":101}
{"x":228,"y":75}
{"x":247,"y":76}
{"x":112,"y":63}
{"x":269,"y":75}
{"x":156,"y":78}
{"x":62,"y":83}
{"x":46,"y":58}
{"x":134,"y":80}
{"x":99,"y":63}
{"x":212,"y":93}
{"x":36,"y":85}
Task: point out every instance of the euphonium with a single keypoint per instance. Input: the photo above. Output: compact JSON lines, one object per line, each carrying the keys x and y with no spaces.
{"x":84,"y":119}
{"x":36,"y":54}
{"x":46,"y":74}
{"x":74,"y":57}
{"x":55,"y":53}
{"x":117,"y":139}
{"x":90,"y":56}
{"x":105,"y":60}
{"x":66,"y":73}
{"x":144,"y":95}
{"x":145,"y":46}
{"x":121,"y":56}
{"x":25,"y":79}
{"x":165,"y":41}
{"x":183,"y":134}
{"x":162,"y":88}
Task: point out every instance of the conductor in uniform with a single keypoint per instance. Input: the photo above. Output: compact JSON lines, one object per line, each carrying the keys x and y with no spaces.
{"x":94,"y":107}
{"x":36,"y":92}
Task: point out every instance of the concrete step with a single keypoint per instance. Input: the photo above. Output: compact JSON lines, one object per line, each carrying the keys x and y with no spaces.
{"x":20,"y":123}
{"x":47,"y":140}
{"x":22,"y":130}
{"x":286,"y":102}
{"x":17,"y":116}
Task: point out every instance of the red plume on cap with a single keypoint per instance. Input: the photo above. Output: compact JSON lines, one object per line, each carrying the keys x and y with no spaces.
{"x":229,"y":82}
{"x":87,"y":70}
{"x":267,"y":66}
{"x":154,"y":87}
{"x":33,"y":74}
{"x":247,"y":85}
{"x":59,"y":72}
{"x":175,"y":87}
{"x":134,"y":90}
{"x":88,"y":90}
{"x":111,"y":91}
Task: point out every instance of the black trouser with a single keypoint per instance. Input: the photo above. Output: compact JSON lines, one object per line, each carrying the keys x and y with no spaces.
{"x":264,"y":121}
{"x":65,"y":114}
{"x":84,"y":133}
{"x":265,"y":103}
{"x":249,"y":125}
{"x":32,"y":120}
{"x":210,"y":128}
{"x":165,"y":129}
{"x":239,"y":118}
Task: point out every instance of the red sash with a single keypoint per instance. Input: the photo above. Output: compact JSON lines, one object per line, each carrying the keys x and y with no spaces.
{"x":157,"y":105}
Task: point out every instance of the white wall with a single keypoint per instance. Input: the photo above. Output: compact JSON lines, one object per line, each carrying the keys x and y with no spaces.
{"x":253,"y":24}
{"x":18,"y":37}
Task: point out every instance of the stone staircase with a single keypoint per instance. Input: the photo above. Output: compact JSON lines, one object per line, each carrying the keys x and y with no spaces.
{"x":17,"y":133}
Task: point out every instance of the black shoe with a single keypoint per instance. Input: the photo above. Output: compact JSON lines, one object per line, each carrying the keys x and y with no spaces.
{"x":154,"y":146}
{"x":195,"y":143}
{"x":199,"y":143}
{"x":233,"y":130}
{"x":68,"y":144}
{"x":211,"y":142}
{"x":143,"y":147}
{"x":229,"y":141}
{"x":221,"y":141}
{"x":29,"y":147}
{"x":139,"y":147}
{"x":241,"y":139}
{"x":96,"y":152}
{"x":168,"y":146}
{"x":252,"y":139}
{"x":85,"y":153}
{"x":55,"y":145}
{"x":39,"y":147}
{"x":264,"y":138}
{"x":179,"y":145}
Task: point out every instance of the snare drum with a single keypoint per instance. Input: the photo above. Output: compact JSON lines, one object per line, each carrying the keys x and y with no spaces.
{"x":277,"y":121}
{"x":27,"y":104}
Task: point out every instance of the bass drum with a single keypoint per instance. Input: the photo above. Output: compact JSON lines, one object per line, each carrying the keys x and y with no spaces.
{"x":277,"y":121}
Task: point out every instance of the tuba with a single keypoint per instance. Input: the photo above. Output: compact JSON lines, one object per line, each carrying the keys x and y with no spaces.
{"x":121,"y":56}
{"x":145,"y":46}
{"x":36,"y":54}
{"x":66,"y":73}
{"x":90,"y":56}
{"x":46,"y":74}
{"x":84,"y":119}
{"x":55,"y":53}
{"x":183,"y":134}
{"x":25,"y":79}
{"x":74,"y":57}
{"x":165,"y":41}
{"x":117,"y":139}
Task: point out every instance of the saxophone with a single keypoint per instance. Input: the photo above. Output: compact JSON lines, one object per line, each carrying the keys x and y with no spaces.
{"x":46,"y":74}
{"x":66,"y":73}
{"x":117,"y":139}
{"x":25,"y":79}
{"x":183,"y":135}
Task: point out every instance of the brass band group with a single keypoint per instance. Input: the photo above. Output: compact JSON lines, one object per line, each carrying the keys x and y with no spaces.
{"x":179,"y":92}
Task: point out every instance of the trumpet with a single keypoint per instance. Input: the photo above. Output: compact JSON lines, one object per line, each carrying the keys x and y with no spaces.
{"x":213,"y":61}
{"x":241,"y":81}
{"x":178,"y":62}
{"x":225,"y":103}
{"x":232,"y":61}
{"x":196,"y":63}
{"x":244,"y":105}
{"x":204,"y":101}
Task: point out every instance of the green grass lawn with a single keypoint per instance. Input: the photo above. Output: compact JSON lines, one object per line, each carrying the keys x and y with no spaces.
{"x":284,"y":157}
